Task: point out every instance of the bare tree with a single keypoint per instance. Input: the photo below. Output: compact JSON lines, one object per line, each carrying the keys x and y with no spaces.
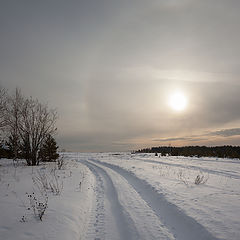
{"x":13,"y":118}
{"x":37,"y":122}
{"x":3,"y":95}
{"x":28,"y":122}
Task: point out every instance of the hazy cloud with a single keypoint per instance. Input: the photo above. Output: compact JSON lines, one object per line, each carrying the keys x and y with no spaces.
{"x":191,"y":139}
{"x":227,"y":132}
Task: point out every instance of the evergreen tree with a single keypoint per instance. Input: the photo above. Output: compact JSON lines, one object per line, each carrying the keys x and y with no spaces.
{"x":4,"y":150}
{"x":48,"y":151}
{"x":14,"y":146}
{"x":26,"y":150}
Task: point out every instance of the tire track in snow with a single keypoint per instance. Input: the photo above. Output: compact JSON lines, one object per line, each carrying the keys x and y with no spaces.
{"x":114,"y":221}
{"x":147,"y":223}
{"x":96,"y":224}
{"x":181,"y":225}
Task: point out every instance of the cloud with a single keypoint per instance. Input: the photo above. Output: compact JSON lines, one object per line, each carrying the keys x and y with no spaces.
{"x":109,"y":67}
{"x":188,"y":139}
{"x":171,"y":139}
{"x":226,"y":132}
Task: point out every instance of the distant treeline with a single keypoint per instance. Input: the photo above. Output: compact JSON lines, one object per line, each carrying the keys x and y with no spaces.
{"x":198,"y":151}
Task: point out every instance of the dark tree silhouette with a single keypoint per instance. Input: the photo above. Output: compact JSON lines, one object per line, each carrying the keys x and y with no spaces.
{"x":48,"y":151}
{"x":195,"y":151}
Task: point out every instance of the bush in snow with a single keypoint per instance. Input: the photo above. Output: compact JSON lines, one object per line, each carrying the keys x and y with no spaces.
{"x":48,"y":182}
{"x":61,"y":163}
{"x":201,"y":179}
{"x":38,"y":206}
{"x":55,"y":185}
{"x":40,"y":180}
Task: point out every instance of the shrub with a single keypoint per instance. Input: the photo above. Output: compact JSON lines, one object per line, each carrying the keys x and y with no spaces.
{"x":39,"y":207}
{"x":200,"y":179}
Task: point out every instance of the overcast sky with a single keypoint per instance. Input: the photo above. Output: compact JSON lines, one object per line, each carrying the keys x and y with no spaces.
{"x":109,"y":67}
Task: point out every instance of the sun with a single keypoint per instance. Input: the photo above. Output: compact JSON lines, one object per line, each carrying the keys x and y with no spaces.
{"x":178,"y":101}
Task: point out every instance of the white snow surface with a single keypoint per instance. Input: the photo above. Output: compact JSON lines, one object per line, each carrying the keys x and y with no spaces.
{"x":122,"y":196}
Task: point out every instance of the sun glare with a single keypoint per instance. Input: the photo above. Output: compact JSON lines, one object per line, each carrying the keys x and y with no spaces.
{"x":178,"y":101}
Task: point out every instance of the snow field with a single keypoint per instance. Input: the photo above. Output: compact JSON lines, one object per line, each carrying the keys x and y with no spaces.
{"x":67,"y":214}
{"x":215,"y":204}
{"x":116,"y":196}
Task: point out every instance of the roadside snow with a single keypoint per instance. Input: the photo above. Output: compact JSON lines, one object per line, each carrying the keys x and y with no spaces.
{"x":67,"y":214}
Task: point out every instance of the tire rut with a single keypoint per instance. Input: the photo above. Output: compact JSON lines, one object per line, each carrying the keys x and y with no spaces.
{"x":112,"y":223}
{"x":96,"y":224}
{"x":181,"y":225}
{"x":147,"y":223}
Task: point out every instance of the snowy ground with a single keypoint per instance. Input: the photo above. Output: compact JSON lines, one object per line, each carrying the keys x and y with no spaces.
{"x":123,"y":196}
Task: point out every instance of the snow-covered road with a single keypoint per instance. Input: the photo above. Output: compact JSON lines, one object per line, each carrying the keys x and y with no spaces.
{"x":129,"y":208}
